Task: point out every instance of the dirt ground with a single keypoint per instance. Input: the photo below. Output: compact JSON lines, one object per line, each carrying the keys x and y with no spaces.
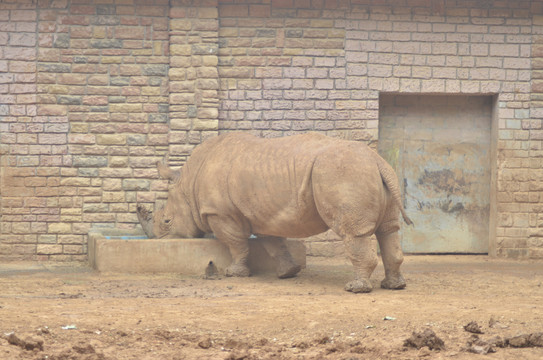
{"x":55,"y":311}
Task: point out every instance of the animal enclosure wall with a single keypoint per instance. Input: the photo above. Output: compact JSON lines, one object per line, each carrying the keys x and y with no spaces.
{"x":93,"y":93}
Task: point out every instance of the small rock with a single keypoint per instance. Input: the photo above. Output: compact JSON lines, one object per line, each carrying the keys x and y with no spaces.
{"x":211,"y":271}
{"x":473,"y":328}
{"x":536,"y":339}
{"x":84,"y":348}
{"x":358,"y":349}
{"x":424,"y":352}
{"x":426,"y":338}
{"x":323,"y":340}
{"x":493,"y":323}
{"x":300,"y":345}
{"x":481,"y":349}
{"x":479,"y":346}
{"x":205,"y":343}
{"x":519,"y":341}
{"x":526,"y":340}
{"x":28,"y":343}
{"x":43,"y":330}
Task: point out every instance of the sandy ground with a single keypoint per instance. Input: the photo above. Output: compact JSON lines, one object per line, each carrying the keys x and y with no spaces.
{"x":55,"y":311}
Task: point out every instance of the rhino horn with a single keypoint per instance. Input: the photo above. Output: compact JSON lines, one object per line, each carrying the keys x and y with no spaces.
{"x":166,"y":173}
{"x":146,"y":220}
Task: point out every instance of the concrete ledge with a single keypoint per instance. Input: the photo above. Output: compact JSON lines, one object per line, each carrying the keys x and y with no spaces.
{"x":113,"y":250}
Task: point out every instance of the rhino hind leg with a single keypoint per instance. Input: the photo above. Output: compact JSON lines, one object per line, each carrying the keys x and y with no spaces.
{"x":392,"y":256}
{"x":363,"y":255}
{"x":277,"y":249}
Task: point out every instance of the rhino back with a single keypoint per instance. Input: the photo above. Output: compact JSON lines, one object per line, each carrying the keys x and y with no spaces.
{"x":267,"y":181}
{"x":294,"y":186}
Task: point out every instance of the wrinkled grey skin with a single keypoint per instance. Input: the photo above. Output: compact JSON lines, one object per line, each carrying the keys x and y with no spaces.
{"x":236,"y":185}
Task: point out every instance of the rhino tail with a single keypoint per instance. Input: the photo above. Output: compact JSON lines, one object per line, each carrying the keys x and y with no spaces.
{"x":391,"y":182}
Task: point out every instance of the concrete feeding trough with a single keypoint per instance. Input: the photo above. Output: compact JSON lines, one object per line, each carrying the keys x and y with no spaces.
{"x":130,"y":251}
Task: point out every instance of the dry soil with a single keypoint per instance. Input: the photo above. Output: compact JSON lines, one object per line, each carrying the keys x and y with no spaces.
{"x":56,"y":311}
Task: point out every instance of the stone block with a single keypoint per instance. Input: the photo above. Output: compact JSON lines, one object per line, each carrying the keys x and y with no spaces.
{"x":119,"y":81}
{"x":207,"y":49}
{"x":182,"y":98}
{"x":136,"y":185}
{"x":113,"y":196}
{"x":207,"y":113}
{"x":180,"y":50}
{"x":158,"y":118}
{"x":110,"y":139}
{"x":115,"y":250}
{"x":155,"y":70}
{"x":126,"y":108}
{"x":207,"y":72}
{"x":89,"y":161}
{"x":106,"y":43}
{"x":205,"y":125}
{"x":49,"y":249}
{"x":177,"y":74}
{"x":59,"y":228}
{"x":207,"y":84}
{"x":95,"y":208}
{"x":180,"y":24}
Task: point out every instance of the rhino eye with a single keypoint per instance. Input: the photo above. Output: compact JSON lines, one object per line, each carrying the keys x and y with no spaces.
{"x":167,"y":221}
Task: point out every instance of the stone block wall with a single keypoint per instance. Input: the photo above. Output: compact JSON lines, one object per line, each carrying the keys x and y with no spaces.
{"x":21,"y":136}
{"x":82,"y":152}
{"x":194,"y":77}
{"x":94,"y":92}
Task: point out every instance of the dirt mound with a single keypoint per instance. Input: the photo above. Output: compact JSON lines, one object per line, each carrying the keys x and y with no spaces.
{"x":426,"y":338}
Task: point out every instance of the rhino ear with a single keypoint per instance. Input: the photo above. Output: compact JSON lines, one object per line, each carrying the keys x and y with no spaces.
{"x":166,"y":173}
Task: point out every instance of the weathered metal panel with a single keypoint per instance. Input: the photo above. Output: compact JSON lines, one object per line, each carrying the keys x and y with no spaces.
{"x":440,"y":148}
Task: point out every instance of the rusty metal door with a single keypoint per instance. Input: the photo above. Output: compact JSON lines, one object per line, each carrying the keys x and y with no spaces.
{"x":440,"y":148}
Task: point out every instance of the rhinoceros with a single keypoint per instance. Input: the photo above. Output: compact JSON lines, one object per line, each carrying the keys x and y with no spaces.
{"x":236,"y":185}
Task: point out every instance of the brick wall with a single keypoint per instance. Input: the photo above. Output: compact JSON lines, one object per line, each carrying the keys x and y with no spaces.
{"x":282,"y":70}
{"x":94,"y":92}
{"x":24,"y":214}
{"x":534,"y":126}
{"x":82,"y":154}
{"x":194,"y":77}
{"x":481,"y":49}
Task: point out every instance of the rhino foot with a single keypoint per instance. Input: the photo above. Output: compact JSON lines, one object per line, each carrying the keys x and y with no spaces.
{"x":288,"y":270}
{"x":396,"y":283}
{"x":359,"y":286}
{"x":238,"y":270}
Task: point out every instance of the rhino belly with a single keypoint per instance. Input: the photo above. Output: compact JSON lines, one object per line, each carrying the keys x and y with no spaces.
{"x":287,"y":222}
{"x":294,"y":218}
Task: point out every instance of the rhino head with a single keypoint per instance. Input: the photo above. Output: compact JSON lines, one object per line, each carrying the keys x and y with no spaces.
{"x":175,"y":219}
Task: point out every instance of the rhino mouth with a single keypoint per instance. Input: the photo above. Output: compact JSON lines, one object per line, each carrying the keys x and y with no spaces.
{"x":145,"y":218}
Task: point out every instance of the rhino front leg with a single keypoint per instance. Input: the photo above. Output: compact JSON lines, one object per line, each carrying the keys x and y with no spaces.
{"x":277,"y":249}
{"x":233,"y":235}
{"x":363,"y":255}
{"x":392,"y":255}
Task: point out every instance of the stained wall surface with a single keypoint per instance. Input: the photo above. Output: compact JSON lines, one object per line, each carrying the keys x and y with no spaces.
{"x":440,"y":147}
{"x":93,"y":93}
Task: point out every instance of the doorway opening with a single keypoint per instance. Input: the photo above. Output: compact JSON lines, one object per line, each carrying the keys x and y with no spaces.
{"x":442,"y":149}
